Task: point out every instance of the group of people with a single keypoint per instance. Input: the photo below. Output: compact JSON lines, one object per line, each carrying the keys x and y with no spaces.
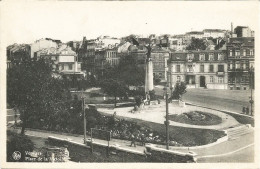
{"x":245,"y":110}
{"x":137,"y":136}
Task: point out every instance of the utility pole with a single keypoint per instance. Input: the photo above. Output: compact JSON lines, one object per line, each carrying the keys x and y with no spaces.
{"x":251,"y":101}
{"x":167,"y":122}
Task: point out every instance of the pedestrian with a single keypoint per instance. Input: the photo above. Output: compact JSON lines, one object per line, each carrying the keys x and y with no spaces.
{"x":247,"y":110}
{"x":132,"y":140}
{"x":244,"y":110}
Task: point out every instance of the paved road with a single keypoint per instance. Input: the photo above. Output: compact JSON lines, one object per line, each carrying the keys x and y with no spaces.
{"x":238,"y":150}
{"x":231,"y":100}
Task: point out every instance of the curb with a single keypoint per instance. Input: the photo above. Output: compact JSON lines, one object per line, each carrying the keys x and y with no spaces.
{"x":188,"y":103}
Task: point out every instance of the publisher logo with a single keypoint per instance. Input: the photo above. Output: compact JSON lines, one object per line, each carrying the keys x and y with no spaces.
{"x":16,"y":155}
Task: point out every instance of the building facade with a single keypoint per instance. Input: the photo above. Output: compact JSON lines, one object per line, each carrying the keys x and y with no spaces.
{"x":243,"y":31}
{"x":159,"y":59}
{"x":241,"y":56}
{"x":65,"y":61}
{"x":43,"y":44}
{"x":199,"y":69}
{"x":214,"y":33}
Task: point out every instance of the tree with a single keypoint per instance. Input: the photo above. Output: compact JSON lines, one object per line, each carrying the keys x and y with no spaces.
{"x":130,"y":72}
{"x":38,"y":96}
{"x":196,"y":44}
{"x":114,"y":88}
{"x":179,"y":90}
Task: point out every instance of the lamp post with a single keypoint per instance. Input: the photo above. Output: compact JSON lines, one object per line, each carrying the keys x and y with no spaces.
{"x":84,"y":117}
{"x":167,"y":118}
{"x":251,"y":101}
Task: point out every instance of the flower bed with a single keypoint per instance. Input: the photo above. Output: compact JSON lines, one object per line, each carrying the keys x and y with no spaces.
{"x":196,"y":118}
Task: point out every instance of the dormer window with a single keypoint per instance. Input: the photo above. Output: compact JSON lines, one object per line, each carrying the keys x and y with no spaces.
{"x":211,"y":56}
{"x":202,"y":56}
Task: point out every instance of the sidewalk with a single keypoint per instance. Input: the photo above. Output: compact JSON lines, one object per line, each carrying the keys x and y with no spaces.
{"x":79,"y":139}
{"x":226,"y":147}
{"x":156,"y":113}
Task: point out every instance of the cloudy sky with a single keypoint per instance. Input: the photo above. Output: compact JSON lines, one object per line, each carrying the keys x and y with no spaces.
{"x":71,"y":20}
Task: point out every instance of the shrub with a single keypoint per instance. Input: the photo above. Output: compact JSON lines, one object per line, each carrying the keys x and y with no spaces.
{"x":18,"y":142}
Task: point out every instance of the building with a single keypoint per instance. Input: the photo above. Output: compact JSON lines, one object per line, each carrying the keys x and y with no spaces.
{"x":65,"y":60}
{"x":195,"y":34}
{"x":214,"y":33}
{"x":106,"y":42}
{"x":104,"y":58}
{"x":243,"y":31}
{"x":17,"y":53}
{"x":159,"y":58}
{"x":241,"y":56}
{"x":43,"y":44}
{"x":199,"y":69}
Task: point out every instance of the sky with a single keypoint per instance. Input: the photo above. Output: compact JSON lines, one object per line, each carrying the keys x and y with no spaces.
{"x":27,"y":21}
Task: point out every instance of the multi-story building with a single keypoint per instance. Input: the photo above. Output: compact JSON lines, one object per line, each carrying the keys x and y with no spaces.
{"x":214,"y":33}
{"x":65,"y":61}
{"x":195,"y":34}
{"x":199,"y":69}
{"x":241,"y":56}
{"x":104,"y":58}
{"x":160,"y":57}
{"x":243,"y":31}
{"x":106,"y":42}
{"x":43,"y":44}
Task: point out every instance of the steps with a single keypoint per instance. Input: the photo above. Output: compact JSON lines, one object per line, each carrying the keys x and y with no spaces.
{"x":236,"y":132}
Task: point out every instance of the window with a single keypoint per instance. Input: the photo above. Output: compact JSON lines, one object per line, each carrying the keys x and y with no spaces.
{"x":237,"y":65}
{"x":70,"y":66}
{"x":160,"y":75}
{"x":211,"y":79}
{"x":230,"y":52}
{"x":231,"y":65}
{"x":202,"y":56}
{"x":178,"y":78}
{"x":211,"y":56}
{"x":221,"y":68}
{"x":251,"y":52}
{"x":62,"y":67}
{"x":244,"y":52}
{"x":211,"y":68}
{"x":220,"y":80}
{"x":244,"y":65}
{"x":237,"y":53}
{"x":201,"y":68}
{"x":190,"y":57}
{"x":220,"y":56}
{"x":178,"y":68}
{"x":190,"y":68}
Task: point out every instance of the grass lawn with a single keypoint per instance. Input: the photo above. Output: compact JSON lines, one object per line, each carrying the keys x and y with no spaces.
{"x":196,"y":118}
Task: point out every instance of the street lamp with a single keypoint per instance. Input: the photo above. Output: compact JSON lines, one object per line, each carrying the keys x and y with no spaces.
{"x":167,"y":118}
{"x":84,"y":117}
{"x":251,"y":101}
